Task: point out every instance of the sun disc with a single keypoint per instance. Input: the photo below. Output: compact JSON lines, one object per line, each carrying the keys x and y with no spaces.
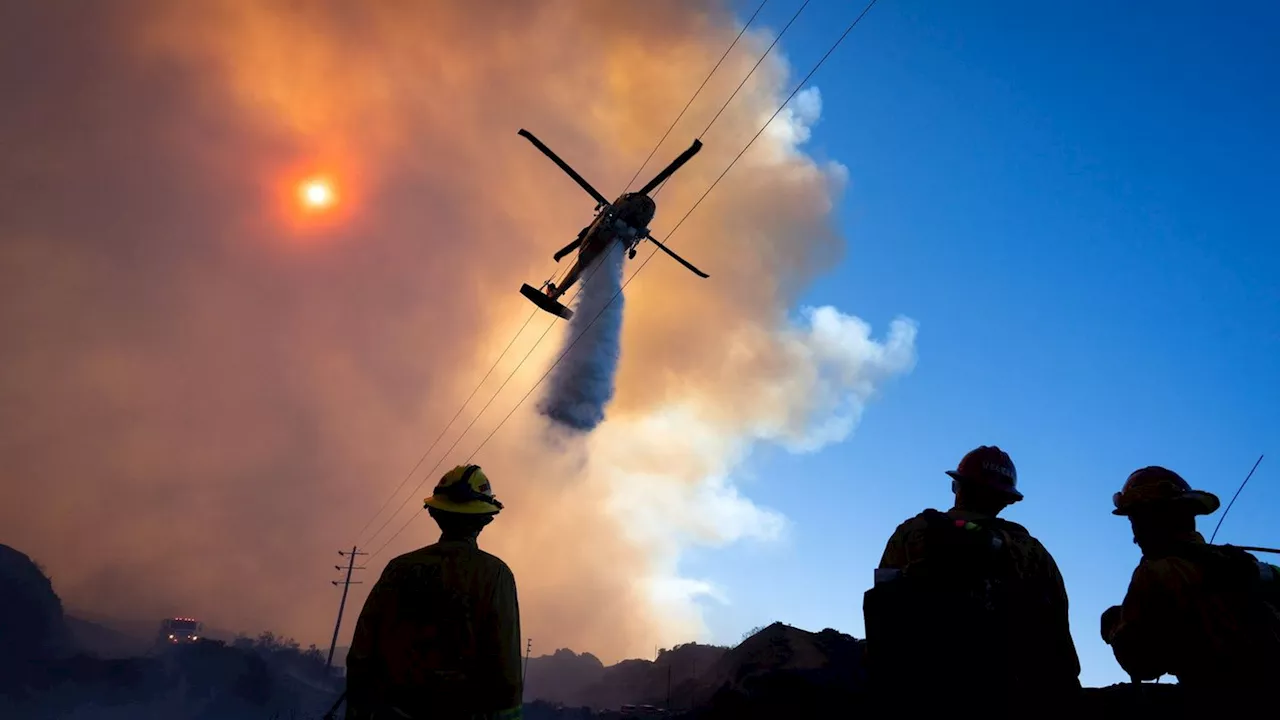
{"x":316,"y":194}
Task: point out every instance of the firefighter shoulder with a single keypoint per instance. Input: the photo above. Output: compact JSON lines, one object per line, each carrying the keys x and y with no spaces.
{"x":439,"y":635}
{"x":941,"y":547}
{"x":970,"y":600}
{"x":1206,"y":614}
{"x":987,"y":466}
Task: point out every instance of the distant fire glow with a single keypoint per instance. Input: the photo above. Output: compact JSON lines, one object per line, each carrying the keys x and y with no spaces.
{"x":316,"y":194}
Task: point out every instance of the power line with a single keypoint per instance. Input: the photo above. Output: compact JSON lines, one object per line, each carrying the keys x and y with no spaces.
{"x":695,"y":96}
{"x":530,"y":318}
{"x":753,"y":67}
{"x":445,"y":429}
{"x":736,"y":90}
{"x":516,"y":369}
{"x":454,"y":419}
{"x":677,"y":226}
{"x":799,"y":85}
{"x":671,"y":127}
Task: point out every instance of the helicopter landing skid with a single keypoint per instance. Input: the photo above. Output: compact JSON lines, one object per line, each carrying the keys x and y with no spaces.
{"x":539,"y":298}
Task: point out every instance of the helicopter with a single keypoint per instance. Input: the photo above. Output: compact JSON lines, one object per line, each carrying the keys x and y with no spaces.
{"x":625,"y":220}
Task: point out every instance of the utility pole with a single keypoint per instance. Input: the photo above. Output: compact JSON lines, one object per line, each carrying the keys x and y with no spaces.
{"x":668,"y":708}
{"x":346,"y":585}
{"x":524,"y":679}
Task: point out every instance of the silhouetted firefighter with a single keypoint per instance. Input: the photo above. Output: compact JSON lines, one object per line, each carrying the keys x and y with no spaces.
{"x":439,"y":636}
{"x":1207,"y":614}
{"x":968,"y":614}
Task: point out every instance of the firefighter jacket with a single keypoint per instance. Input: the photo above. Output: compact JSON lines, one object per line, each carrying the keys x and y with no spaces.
{"x":438,"y":637}
{"x":1198,"y":612}
{"x":1040,"y":649}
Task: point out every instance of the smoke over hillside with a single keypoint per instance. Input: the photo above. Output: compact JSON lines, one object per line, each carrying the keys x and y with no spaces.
{"x":207,"y":390}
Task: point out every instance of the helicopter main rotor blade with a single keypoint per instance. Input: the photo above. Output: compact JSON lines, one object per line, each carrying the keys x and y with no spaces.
{"x":564,"y":166}
{"x":674,"y":166}
{"x":679,"y":259}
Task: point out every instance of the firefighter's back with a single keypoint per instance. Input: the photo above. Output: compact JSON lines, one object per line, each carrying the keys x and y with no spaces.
{"x":1231,"y":629}
{"x":443,"y":612}
{"x":977,"y":615}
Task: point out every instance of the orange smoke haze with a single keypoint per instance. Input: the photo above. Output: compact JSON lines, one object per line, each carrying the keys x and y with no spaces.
{"x":196,"y":415}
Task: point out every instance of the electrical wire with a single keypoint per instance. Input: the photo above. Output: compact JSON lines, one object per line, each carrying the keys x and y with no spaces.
{"x":799,"y":85}
{"x":753,"y":67}
{"x":736,"y":90}
{"x":512,"y":374}
{"x":454,"y":419}
{"x":530,"y":318}
{"x":593,"y":270}
{"x":677,"y":226}
{"x":443,"y":430}
{"x":695,"y":96}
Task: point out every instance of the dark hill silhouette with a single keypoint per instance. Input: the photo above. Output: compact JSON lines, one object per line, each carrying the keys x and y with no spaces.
{"x":31,"y":619}
{"x":760,"y":672}
{"x":581,"y":680}
{"x":783,"y":671}
{"x":55,"y":667}
{"x":562,"y":677}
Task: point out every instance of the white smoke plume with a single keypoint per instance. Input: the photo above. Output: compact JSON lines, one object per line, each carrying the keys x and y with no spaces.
{"x":581,"y":384}
{"x":207,"y":392}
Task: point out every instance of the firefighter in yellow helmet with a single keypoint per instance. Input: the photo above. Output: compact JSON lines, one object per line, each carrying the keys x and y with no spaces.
{"x":439,"y":636}
{"x":1193,"y":610}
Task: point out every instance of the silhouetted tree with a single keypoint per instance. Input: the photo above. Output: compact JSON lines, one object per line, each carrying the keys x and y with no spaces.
{"x":752,"y":632}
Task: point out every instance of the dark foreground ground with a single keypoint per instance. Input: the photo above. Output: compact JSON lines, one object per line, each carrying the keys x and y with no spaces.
{"x":54,"y":667}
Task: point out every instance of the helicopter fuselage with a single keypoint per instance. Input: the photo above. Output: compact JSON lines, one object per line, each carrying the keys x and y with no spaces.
{"x":627,"y":220}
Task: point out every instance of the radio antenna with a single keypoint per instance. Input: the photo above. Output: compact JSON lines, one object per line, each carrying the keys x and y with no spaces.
{"x":1233,"y":500}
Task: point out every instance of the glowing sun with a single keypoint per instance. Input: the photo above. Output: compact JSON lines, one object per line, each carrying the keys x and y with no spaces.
{"x":316,"y":194}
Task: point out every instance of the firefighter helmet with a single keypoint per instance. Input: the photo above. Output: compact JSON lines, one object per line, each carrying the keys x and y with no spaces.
{"x":466,"y":490}
{"x":1157,"y":485}
{"x":989,"y":465}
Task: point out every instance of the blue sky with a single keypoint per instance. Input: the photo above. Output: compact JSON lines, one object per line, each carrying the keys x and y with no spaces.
{"x":1072,"y":199}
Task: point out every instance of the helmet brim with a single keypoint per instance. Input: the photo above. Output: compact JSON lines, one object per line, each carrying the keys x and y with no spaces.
{"x":1199,"y":501}
{"x":470,"y":507}
{"x":1012,"y":493}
